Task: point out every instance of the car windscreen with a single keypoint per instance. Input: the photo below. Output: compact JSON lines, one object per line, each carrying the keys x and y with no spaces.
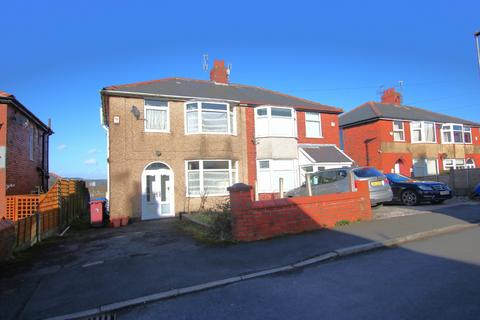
{"x":367,"y":172}
{"x":397,"y":177}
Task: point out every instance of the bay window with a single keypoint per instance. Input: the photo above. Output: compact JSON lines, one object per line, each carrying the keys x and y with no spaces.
{"x":210,"y":177}
{"x":422,"y":131}
{"x":313,"y":125}
{"x":456,"y":133}
{"x":275,"y":122}
{"x":156,"y":116}
{"x":270,"y":172}
{"x":209,"y":117}
{"x":398,"y":131}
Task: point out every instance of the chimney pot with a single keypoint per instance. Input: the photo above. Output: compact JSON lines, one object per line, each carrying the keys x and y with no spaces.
{"x":219,"y":72}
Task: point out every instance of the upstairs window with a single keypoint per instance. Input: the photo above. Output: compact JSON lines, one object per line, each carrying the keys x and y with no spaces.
{"x":209,"y":117}
{"x":275,"y":122}
{"x":456,"y":133}
{"x":398,"y":131}
{"x":423,"y":131}
{"x":313,"y":125}
{"x":156,"y":116}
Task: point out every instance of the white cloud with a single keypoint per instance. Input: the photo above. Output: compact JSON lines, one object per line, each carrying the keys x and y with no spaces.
{"x":93,"y":151}
{"x":90,"y":162}
{"x":61,"y":147}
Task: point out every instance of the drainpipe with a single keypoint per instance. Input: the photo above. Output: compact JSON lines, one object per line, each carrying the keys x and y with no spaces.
{"x":367,"y":157}
{"x":108,"y":155}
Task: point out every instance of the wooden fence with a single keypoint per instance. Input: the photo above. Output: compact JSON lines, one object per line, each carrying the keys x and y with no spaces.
{"x":40,"y":216}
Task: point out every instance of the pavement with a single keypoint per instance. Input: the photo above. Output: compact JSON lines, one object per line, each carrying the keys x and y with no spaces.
{"x":435,"y":278}
{"x":98,"y":267}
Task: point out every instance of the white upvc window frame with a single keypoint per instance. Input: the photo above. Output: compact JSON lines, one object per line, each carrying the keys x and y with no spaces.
{"x":231,"y":111}
{"x":398,"y":130}
{"x":318,"y":121}
{"x":422,"y":130}
{"x":269,"y":116}
{"x":454,"y":164}
{"x":451,"y":133}
{"x":232,"y":175}
{"x":161,"y":108}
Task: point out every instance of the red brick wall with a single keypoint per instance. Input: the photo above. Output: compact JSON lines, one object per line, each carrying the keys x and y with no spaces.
{"x":255,"y":220}
{"x":388,"y":161}
{"x":22,"y":173}
{"x":476,"y":134}
{"x":331,"y":135}
{"x":355,"y":146}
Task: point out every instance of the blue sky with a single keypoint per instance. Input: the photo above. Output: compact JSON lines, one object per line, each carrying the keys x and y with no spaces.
{"x":57,"y":55}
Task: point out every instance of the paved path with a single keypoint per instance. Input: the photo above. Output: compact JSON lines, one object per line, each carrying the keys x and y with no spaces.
{"x":435,"y":278}
{"x":106,"y":266}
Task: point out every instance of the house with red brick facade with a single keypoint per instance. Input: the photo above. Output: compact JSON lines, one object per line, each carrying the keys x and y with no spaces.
{"x":409,"y":140}
{"x":23,"y":150}
{"x":176,"y":144}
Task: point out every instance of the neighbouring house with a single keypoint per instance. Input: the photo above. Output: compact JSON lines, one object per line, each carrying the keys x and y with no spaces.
{"x":175,"y":144}
{"x":23,"y":150}
{"x":409,"y":140}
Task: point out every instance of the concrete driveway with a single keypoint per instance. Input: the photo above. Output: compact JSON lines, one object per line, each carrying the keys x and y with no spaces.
{"x":388,"y":211}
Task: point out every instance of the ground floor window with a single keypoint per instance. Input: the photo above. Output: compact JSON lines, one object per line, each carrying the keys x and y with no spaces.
{"x":453,"y":164}
{"x":424,"y":167}
{"x":210,"y":177}
{"x":270,"y":172}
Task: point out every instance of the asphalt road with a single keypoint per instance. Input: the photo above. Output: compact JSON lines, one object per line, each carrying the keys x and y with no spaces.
{"x":437,"y":278}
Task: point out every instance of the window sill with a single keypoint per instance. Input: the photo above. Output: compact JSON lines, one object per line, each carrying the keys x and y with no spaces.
{"x":212,"y":133}
{"x":207,"y":195}
{"x":425,"y":142}
{"x":156,"y":131}
{"x":318,"y":137}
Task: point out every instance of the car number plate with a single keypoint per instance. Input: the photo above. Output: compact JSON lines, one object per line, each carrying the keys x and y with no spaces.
{"x":444,"y":193}
{"x":376,"y":183}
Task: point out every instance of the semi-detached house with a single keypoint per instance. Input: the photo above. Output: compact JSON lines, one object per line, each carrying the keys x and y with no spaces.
{"x":409,"y":140}
{"x":176,"y":144}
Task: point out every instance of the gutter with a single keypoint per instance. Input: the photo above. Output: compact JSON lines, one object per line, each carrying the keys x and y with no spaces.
{"x":12,"y":100}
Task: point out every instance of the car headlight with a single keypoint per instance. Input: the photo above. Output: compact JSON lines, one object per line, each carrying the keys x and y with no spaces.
{"x":424,"y":187}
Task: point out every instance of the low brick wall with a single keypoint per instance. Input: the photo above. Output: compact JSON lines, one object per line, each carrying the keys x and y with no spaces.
{"x":7,"y":238}
{"x":255,"y":220}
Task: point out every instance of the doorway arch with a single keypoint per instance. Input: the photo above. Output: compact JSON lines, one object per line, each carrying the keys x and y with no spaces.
{"x":399,"y":167}
{"x":157,"y":191}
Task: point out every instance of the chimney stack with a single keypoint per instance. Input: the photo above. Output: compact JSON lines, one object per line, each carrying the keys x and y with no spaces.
{"x":219,"y":72}
{"x":392,"y":97}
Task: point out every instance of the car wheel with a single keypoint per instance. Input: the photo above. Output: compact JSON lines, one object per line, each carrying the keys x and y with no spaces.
{"x":437,"y":201}
{"x":409,"y":198}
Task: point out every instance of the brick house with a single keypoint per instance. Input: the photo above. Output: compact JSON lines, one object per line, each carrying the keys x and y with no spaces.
{"x":175,"y":144}
{"x":409,"y":140}
{"x":23,"y":150}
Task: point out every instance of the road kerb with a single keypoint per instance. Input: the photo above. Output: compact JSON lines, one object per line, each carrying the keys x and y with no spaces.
{"x":341,"y":252}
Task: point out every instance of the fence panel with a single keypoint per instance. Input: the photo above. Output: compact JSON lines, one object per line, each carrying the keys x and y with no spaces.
{"x":38,"y":217}
{"x":462,"y":181}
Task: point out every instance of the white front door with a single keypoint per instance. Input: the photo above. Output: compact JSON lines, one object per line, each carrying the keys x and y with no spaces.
{"x":157,"y":193}
{"x":396,"y":169}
